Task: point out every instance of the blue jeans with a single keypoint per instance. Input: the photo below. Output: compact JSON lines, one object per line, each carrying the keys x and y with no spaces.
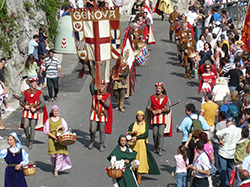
{"x":53,"y":81}
{"x":232,"y":88}
{"x":198,"y":32}
{"x":237,"y":178}
{"x":216,"y":154}
{"x":225,"y":167}
{"x":181,"y":179}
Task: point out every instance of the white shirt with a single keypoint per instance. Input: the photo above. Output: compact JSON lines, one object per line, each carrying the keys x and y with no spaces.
{"x":191,"y":17}
{"x":246,"y":163}
{"x":202,"y":163}
{"x":220,"y":91}
{"x":200,"y":45}
{"x":230,"y":136}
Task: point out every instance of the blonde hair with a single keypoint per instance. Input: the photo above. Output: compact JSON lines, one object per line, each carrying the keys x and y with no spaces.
{"x":235,"y":95}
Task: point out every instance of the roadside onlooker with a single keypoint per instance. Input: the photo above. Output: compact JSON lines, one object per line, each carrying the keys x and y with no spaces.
{"x":42,"y":45}
{"x":53,"y":72}
{"x":220,"y":91}
{"x":181,"y":161}
{"x":8,"y":108}
{"x":118,"y":3}
{"x":201,"y":167}
{"x":246,"y":160}
{"x":188,"y":121}
{"x":209,"y":111}
{"x":234,"y":76}
{"x":240,"y":153}
{"x":244,"y":175}
{"x":219,"y":126}
{"x":33,"y":46}
{"x":31,"y":66}
{"x":228,"y":138}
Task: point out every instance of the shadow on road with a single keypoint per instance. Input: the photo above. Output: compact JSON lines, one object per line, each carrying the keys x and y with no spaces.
{"x":168,"y":168}
{"x":172,"y":63}
{"x":195,"y":98}
{"x":193,"y":83}
{"x":164,"y":40}
{"x":44,"y":166}
{"x":171,"y":185}
{"x":147,"y":178}
{"x":170,"y":53}
{"x":178,"y":74}
{"x":82,"y":137}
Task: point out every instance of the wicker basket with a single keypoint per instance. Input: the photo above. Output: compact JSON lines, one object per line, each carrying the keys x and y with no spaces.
{"x":115,"y":173}
{"x":130,"y":142}
{"x":30,"y":170}
{"x":67,"y":139}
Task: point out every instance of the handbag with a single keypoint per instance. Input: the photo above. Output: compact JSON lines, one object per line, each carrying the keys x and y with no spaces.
{"x":213,"y":168}
{"x":44,"y":72}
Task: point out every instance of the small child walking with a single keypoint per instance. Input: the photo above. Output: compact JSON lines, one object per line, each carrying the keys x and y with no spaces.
{"x":181,"y":162}
{"x":42,"y":79}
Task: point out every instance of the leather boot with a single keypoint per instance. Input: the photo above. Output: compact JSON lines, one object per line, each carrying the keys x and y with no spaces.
{"x":139,"y":178}
{"x":179,"y":63}
{"x":190,"y":75}
{"x":91,"y":145}
{"x":121,"y":106}
{"x":186,"y":75}
{"x":118,"y":103}
{"x":30,"y":144}
{"x":101,"y":147}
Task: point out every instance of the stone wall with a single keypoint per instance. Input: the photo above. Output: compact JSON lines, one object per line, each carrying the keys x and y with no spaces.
{"x":29,"y":23}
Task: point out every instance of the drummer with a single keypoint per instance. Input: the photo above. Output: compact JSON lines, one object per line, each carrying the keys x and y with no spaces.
{"x":181,"y":36}
{"x":59,"y":153}
{"x":136,"y":32}
{"x":189,"y":48}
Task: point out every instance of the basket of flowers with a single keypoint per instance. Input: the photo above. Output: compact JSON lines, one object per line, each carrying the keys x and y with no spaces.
{"x":129,"y":136}
{"x":30,"y":169}
{"x":115,"y":173}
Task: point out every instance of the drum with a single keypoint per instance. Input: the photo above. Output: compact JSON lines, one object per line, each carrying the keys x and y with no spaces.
{"x":144,"y":50}
{"x":140,"y":58}
{"x":193,"y":56}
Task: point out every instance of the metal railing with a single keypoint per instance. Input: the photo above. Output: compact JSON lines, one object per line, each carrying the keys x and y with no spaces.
{"x":237,"y":11}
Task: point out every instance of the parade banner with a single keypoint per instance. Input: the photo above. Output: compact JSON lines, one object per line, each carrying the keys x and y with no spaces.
{"x":245,"y":37}
{"x":97,"y":33}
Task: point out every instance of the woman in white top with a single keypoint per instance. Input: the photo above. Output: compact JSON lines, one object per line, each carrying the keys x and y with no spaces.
{"x":200,"y":43}
{"x":220,"y":90}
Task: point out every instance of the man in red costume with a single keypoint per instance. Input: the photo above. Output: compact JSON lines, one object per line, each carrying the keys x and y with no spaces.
{"x":157,"y":116}
{"x":33,"y":99}
{"x":101,"y":115}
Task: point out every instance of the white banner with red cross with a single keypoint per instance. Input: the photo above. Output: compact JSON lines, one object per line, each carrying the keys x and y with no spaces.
{"x":97,"y":33}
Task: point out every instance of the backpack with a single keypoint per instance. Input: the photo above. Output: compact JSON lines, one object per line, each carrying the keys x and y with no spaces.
{"x":233,"y":110}
{"x":196,"y":124}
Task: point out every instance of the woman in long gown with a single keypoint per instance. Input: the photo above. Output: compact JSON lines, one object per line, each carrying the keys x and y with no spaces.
{"x":147,"y":162}
{"x":122,"y":152}
{"x":59,"y":153}
{"x":16,"y":158}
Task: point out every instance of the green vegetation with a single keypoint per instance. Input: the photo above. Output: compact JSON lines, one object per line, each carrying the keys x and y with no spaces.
{"x":50,"y":7}
{"x":28,"y":5}
{"x":7,"y":30}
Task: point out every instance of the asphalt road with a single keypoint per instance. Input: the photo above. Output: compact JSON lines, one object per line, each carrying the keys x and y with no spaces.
{"x":74,"y":102}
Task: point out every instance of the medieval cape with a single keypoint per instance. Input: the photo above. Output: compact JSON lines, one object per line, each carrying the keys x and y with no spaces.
{"x":164,"y":6}
{"x":127,"y":180}
{"x":147,"y":162}
{"x":42,"y":112}
{"x":168,"y":118}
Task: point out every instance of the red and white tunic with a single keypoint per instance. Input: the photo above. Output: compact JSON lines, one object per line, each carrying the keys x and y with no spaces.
{"x":95,"y":107}
{"x":158,"y":104}
{"x":31,"y":99}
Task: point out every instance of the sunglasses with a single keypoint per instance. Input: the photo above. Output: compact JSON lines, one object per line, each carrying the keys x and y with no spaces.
{"x":208,"y":67}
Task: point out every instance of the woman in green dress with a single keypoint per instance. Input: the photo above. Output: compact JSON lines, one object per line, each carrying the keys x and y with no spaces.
{"x":122,"y":152}
{"x":59,"y":153}
{"x":139,"y":131}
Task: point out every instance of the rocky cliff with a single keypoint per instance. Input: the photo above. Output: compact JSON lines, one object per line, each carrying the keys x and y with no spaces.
{"x":28,"y":18}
